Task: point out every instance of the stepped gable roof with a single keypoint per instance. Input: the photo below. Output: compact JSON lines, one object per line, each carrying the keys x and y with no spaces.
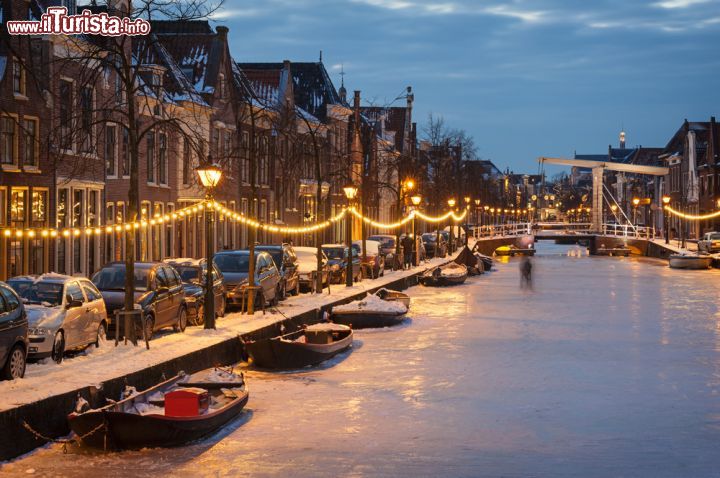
{"x":312,"y":87}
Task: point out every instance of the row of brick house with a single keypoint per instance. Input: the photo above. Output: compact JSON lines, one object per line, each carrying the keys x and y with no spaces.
{"x":286,"y":138}
{"x":693,"y":183}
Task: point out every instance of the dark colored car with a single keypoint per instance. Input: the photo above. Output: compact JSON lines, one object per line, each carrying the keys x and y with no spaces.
{"x":13,"y":334}
{"x":283,"y":255}
{"x":193,"y":273}
{"x":375,"y":261}
{"x":337,"y":261}
{"x":387,"y":247}
{"x":429,"y":240}
{"x":235,"y":266}
{"x":158,"y":291}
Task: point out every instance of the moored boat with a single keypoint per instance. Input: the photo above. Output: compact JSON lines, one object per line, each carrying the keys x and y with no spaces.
{"x":171,"y":413}
{"x":308,"y":346}
{"x":471,"y":261}
{"x":513,"y":250}
{"x":690,"y":261}
{"x":393,"y":295}
{"x":370,"y":312}
{"x":445,"y":275}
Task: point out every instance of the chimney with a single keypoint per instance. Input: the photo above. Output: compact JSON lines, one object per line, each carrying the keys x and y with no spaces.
{"x":222,"y":32}
{"x":356,"y":108}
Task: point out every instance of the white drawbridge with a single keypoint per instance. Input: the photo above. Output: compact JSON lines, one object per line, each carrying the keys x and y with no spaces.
{"x":598,"y":168}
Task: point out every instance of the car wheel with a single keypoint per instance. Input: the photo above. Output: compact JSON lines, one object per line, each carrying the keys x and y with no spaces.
{"x":15,"y":365}
{"x":296,"y":290}
{"x":200,"y":317}
{"x":181,"y":323}
{"x":58,"y":349}
{"x":101,"y":335}
{"x":149,"y":325}
{"x":283,"y":293}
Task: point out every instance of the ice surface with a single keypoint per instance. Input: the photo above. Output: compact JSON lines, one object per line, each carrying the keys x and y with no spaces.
{"x":608,"y":367}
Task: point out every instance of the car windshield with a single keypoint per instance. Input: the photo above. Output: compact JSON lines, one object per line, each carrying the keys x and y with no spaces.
{"x":714,"y":236}
{"x":334,"y":252}
{"x":429,"y":237}
{"x":233,"y":263}
{"x":39,"y":292}
{"x":188,"y":274}
{"x":113,"y":278}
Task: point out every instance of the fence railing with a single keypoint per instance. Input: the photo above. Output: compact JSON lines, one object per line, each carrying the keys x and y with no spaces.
{"x":526,"y":228}
{"x":503,"y":230}
{"x":628,"y":230}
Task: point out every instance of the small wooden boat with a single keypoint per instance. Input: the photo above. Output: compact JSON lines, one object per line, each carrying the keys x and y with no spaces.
{"x":173,"y":412}
{"x":486,"y":261}
{"x":445,"y":275}
{"x":690,"y":261}
{"x":304,"y":347}
{"x":393,"y":295}
{"x":469,"y":260}
{"x":513,"y":250}
{"x":613,"y":251}
{"x":370,"y":312}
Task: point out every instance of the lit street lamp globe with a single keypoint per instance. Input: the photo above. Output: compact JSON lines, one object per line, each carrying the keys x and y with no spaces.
{"x":350,"y":191}
{"x":416,"y":200}
{"x":210,"y":175}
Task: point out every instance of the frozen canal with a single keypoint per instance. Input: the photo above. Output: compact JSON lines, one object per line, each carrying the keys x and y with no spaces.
{"x":609,"y":367}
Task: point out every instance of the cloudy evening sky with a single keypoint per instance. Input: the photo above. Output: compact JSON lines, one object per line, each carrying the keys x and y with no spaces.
{"x":524,"y":77}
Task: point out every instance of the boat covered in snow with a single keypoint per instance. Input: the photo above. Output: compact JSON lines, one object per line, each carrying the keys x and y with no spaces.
{"x":690,"y":261}
{"x":307,"y":346}
{"x":370,"y":312}
{"x":451,"y":273}
{"x":171,"y":413}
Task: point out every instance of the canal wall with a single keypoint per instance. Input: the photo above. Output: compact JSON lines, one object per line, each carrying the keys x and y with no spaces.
{"x":48,"y":416}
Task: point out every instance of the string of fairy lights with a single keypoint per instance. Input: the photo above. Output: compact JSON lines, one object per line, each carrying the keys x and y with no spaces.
{"x":692,"y":217}
{"x":66,"y":232}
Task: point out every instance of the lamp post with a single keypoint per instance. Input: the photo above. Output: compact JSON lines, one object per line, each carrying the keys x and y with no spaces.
{"x":666,"y":222}
{"x":636,"y":202}
{"x":478,"y":223}
{"x":451,"y":203}
{"x":350,"y":193}
{"x":416,"y":199}
{"x":210,"y":175}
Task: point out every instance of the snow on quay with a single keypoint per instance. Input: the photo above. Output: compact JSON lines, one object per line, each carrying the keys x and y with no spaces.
{"x":97,"y":365}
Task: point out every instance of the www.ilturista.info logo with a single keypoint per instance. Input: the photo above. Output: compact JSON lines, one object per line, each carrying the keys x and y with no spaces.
{"x":57,"y":21}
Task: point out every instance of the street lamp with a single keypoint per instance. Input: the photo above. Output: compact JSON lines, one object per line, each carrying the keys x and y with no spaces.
{"x":451,"y":203}
{"x":635,"y":202}
{"x":350,"y":192}
{"x":666,"y":222}
{"x":477,"y":213}
{"x":416,"y":199}
{"x":210,"y":175}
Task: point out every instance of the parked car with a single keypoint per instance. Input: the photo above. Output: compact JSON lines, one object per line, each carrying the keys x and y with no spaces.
{"x":375,"y":260}
{"x":158,"y":292}
{"x":710,"y":242}
{"x":431,"y":245}
{"x":283,"y":255}
{"x":64,"y":313}
{"x":193,"y":273}
{"x":235,"y":266}
{"x":337,"y":261}
{"x":387,"y":247}
{"x":307,"y":265}
{"x":13,"y":334}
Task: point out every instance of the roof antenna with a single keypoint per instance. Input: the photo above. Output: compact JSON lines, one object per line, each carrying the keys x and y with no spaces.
{"x":320,"y":56}
{"x":342,"y":74}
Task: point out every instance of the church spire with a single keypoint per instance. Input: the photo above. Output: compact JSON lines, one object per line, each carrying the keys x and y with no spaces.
{"x":342,"y":92}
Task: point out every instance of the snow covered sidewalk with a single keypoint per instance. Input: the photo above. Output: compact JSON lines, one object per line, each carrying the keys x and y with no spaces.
{"x":98,"y":365}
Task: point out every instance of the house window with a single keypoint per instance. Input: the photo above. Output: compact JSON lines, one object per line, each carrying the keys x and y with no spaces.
{"x":65,"y":118}
{"x":39,"y":207}
{"x":162,"y":158}
{"x":18,"y":198}
{"x":110,"y":166}
{"x":3,"y":206}
{"x":216,"y":142}
{"x":221,"y":86}
{"x":228,"y":153}
{"x":63,"y":207}
{"x":151,"y":157}
{"x":86,"y":118}
{"x":245,"y":160}
{"x":30,"y":143}
{"x":18,"y":77}
{"x":7,"y":140}
{"x":186,"y":165}
{"x":77,"y":221}
{"x":125,"y":152}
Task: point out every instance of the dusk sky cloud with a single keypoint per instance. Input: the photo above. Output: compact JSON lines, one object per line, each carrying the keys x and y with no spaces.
{"x":524,"y":77}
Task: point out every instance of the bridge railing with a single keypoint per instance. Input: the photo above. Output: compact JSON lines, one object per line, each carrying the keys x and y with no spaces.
{"x":502,"y":230}
{"x":628,"y":230}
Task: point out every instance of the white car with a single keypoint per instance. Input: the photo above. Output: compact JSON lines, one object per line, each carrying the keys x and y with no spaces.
{"x":64,"y":313}
{"x":710,"y":242}
{"x":307,"y":265}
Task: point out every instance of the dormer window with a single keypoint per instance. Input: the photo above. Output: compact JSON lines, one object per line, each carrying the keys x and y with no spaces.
{"x":156,"y":84}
